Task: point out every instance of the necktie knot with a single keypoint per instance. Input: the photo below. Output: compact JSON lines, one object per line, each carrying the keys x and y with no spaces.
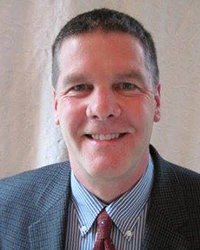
{"x":104,"y":225}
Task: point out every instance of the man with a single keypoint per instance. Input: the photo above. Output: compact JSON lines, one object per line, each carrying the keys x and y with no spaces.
{"x":106,"y":99}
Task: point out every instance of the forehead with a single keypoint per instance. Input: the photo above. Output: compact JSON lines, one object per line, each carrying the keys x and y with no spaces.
{"x":99,"y":56}
{"x":101,"y":45}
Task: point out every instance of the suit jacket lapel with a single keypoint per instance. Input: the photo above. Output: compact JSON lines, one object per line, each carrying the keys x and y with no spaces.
{"x":49,"y":229}
{"x":167,"y":211}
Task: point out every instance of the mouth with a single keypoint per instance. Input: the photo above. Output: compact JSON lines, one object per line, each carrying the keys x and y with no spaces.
{"x":105,"y":137}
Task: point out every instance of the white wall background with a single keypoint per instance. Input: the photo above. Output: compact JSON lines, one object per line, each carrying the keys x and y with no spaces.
{"x":28,"y":136}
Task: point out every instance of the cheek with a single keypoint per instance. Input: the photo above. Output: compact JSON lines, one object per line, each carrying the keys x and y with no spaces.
{"x":141,"y":111}
{"x":71,"y":115}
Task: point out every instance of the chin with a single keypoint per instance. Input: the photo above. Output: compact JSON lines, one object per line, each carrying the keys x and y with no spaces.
{"x":108,"y":168}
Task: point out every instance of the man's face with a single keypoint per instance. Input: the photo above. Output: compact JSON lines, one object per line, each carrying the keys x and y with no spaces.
{"x":105,"y":104}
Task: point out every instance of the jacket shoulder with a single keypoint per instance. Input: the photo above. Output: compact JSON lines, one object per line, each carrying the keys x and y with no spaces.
{"x":29,"y":181}
{"x":25,"y":189}
{"x":173,"y":172}
{"x":26,"y":197}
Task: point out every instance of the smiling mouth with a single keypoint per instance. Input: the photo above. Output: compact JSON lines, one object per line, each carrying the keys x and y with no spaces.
{"x":105,"y":137}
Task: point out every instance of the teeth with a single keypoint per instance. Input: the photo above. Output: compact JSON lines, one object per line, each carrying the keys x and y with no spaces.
{"x":107,"y":137}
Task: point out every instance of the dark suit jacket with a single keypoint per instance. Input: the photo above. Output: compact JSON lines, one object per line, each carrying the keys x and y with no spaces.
{"x":33,"y":208}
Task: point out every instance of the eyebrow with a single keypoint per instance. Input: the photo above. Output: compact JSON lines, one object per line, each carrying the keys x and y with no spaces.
{"x":132,"y":74}
{"x":74,"y":78}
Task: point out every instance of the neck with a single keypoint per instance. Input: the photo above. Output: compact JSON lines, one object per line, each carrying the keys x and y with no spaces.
{"x":109,"y":189}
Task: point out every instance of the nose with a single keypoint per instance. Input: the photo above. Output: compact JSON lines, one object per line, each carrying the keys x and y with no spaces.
{"x":103,"y":105}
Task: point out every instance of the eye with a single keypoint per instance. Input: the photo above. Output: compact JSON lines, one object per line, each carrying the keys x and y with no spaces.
{"x":82,"y":87}
{"x":127,"y":88}
{"x":80,"y":90}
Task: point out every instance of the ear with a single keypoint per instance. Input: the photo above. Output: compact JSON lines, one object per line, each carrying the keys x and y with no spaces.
{"x":157,"y":102}
{"x":55,"y":104}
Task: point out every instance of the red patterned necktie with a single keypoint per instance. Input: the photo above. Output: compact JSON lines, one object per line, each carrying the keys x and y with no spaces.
{"x":104,"y":225}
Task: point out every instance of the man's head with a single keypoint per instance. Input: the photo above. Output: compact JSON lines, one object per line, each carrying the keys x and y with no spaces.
{"x":108,"y":21}
{"x":106,"y":102}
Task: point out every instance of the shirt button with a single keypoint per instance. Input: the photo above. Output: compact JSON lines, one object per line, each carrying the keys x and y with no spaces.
{"x":83,"y":229}
{"x":129,"y":233}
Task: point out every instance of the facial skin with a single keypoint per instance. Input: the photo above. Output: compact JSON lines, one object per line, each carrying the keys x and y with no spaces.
{"x":106,"y":104}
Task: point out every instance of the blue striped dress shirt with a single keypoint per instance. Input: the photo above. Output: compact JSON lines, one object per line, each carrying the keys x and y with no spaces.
{"x":128,"y":214}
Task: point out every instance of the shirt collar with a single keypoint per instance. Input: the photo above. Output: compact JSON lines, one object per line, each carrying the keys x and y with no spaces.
{"x":127,"y":208}
{"x":87,"y":205}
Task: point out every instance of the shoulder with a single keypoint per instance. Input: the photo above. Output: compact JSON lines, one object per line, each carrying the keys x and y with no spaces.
{"x":26,"y":197}
{"x":27,"y":187}
{"x":168,"y":172}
